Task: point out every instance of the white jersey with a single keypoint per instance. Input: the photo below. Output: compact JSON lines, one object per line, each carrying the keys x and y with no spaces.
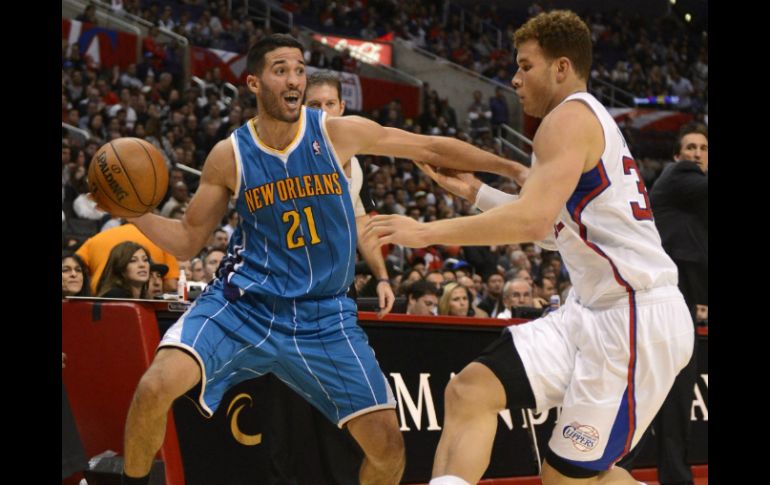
{"x":355,"y":181}
{"x":605,"y":233}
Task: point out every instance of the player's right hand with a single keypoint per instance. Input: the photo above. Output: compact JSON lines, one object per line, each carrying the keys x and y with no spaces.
{"x":462,"y":184}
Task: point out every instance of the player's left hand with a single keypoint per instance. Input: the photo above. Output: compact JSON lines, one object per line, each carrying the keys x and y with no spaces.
{"x":386,"y":298}
{"x":395,"y":229}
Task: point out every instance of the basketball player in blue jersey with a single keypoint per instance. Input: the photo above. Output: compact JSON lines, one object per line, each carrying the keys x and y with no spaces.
{"x":610,"y":354}
{"x":278,"y":303}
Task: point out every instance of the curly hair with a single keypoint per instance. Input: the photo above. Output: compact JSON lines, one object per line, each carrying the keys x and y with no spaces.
{"x":560,"y":33}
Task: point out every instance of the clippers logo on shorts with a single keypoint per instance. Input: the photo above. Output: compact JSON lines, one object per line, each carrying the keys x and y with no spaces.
{"x":583,"y":437}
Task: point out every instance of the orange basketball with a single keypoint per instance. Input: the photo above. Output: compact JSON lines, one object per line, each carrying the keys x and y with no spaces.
{"x":128,"y":177}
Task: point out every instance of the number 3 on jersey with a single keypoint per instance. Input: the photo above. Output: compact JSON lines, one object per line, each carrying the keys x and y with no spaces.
{"x":640,"y":213}
{"x":293,"y":217}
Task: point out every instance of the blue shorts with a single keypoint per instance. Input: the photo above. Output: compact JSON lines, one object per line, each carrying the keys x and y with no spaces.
{"x":315,"y":346}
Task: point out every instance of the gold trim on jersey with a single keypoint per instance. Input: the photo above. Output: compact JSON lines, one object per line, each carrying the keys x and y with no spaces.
{"x":289,"y":148}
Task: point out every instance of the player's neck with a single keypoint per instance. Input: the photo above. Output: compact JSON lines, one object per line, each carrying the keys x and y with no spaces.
{"x":565,"y":93}
{"x":275,"y":133}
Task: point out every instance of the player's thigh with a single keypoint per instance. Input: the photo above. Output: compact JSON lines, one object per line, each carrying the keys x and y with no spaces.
{"x":333,"y":365}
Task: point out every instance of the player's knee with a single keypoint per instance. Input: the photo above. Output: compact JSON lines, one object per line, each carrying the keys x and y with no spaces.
{"x":157,"y":388}
{"x":462,"y":395}
{"x":388,"y":452}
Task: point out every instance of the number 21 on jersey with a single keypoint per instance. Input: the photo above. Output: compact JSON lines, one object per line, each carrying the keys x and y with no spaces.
{"x":293,"y":240}
{"x":640,"y":213}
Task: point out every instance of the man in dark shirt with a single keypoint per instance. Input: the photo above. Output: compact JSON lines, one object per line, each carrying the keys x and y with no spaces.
{"x":680,"y":206}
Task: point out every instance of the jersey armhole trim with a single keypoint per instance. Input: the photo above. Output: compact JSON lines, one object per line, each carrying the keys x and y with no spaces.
{"x":238,"y":166}
{"x":329,"y":144}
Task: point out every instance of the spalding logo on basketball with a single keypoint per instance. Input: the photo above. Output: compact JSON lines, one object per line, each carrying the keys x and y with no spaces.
{"x":128,"y":177}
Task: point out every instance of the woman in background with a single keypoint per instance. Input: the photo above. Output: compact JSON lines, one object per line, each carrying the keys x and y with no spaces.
{"x":127,"y":272}
{"x":74,"y":276}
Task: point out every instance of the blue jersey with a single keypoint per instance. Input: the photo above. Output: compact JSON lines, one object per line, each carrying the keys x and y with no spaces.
{"x":297,"y":235}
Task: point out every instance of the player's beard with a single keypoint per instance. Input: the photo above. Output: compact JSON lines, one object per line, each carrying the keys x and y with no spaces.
{"x":274,"y":107}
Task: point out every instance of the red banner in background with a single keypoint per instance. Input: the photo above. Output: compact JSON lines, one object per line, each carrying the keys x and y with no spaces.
{"x":231,"y":65}
{"x":378,"y":93}
{"x":370,"y":52}
{"x":100,"y":48}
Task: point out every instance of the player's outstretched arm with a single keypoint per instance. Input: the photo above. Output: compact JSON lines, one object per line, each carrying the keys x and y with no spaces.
{"x":185,"y":238}
{"x":354,"y":134}
{"x":563,"y":155}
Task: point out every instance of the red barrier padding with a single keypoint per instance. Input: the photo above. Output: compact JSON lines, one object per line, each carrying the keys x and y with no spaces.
{"x":108,"y":347}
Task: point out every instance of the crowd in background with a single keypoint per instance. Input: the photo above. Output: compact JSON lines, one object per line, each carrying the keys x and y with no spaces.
{"x":148,"y":100}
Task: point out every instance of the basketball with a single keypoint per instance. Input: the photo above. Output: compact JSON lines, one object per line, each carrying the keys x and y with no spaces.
{"x":127,"y":177}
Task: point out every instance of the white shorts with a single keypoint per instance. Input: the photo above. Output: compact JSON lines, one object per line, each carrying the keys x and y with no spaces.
{"x":609,"y":367}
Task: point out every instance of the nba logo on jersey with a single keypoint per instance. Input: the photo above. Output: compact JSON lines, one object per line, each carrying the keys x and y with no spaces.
{"x":316,"y":147}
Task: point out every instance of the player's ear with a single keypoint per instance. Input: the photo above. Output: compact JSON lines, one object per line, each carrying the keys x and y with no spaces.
{"x":252,"y":83}
{"x":342,"y":107}
{"x":563,"y":65}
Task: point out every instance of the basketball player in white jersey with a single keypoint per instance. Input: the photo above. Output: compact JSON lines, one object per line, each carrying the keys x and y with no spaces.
{"x":610,"y":354}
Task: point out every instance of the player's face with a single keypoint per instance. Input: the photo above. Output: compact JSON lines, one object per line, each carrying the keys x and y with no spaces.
{"x":458,"y":302}
{"x":281,"y":85}
{"x":695,"y":147}
{"x":138,"y":269}
{"x":534,"y":79}
{"x":325,"y":97}
{"x":71,"y":276}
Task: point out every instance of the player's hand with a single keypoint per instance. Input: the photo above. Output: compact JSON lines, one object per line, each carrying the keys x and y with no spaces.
{"x":394,"y":229}
{"x":98,"y":207}
{"x":462,"y":184}
{"x":386,"y":298}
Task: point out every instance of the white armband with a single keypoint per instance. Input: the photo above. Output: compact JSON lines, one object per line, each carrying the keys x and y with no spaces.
{"x":489,"y":198}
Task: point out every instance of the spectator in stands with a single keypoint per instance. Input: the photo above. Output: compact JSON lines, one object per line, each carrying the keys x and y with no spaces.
{"x":422,"y":297}
{"x":88,"y":15}
{"x":682,"y":87}
{"x":74,"y":276}
{"x":493,"y":301}
{"x":702,"y":315}
{"x":516,"y":293}
{"x":544,"y":289}
{"x":211,"y":263}
{"x":155,"y":285}
{"x":127,"y":272}
{"x":184,"y":265}
{"x":498,"y":105}
{"x":197,"y":272}
{"x":479,"y":115}
{"x":454,"y":301}
{"x":435,"y":277}
{"x":95,"y":253}
{"x":220,"y":240}
{"x":180,"y":196}
{"x":315,"y":56}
